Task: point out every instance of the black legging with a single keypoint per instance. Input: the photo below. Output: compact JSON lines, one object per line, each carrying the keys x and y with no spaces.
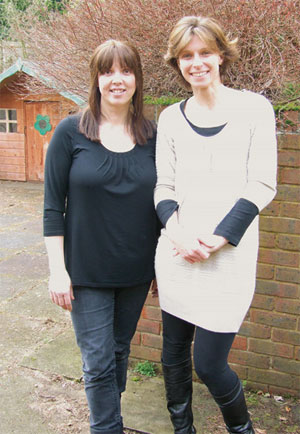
{"x":211,"y":351}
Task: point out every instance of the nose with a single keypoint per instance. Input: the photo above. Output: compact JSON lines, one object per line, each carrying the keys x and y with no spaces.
{"x":117,"y":78}
{"x":197,"y":60}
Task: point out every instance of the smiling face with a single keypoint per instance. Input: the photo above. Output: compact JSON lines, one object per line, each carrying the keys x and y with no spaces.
{"x":117,"y":85}
{"x":199,"y":64}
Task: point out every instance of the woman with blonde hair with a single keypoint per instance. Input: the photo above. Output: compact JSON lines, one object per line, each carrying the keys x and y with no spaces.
{"x":216,"y":168}
{"x":100,"y":224}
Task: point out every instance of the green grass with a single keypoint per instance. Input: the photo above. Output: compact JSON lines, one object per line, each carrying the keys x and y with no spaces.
{"x":145,"y":368}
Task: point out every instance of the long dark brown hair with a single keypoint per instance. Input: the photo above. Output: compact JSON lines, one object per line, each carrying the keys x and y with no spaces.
{"x":102,"y":59}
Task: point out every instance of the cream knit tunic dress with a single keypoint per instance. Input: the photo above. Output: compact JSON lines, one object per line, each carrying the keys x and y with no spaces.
{"x":206,"y":176}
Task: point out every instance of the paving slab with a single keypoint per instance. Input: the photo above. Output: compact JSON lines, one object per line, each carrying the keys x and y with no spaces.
{"x":25,"y":264}
{"x":32,"y":299}
{"x":22,"y":336}
{"x":13,"y":285}
{"x":18,"y":415}
{"x":59,"y":355}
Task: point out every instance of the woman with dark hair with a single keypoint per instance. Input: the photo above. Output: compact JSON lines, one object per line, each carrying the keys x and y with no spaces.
{"x":216,"y":169}
{"x":100,"y":224}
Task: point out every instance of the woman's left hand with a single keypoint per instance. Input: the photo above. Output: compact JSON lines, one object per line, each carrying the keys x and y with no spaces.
{"x":213,"y":243}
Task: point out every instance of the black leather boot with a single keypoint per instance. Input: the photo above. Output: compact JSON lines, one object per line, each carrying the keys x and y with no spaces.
{"x":234,"y":409}
{"x":179,"y":390}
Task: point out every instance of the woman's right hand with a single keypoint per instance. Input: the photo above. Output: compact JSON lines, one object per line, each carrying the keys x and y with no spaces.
{"x":60,"y":289}
{"x":185,"y":244}
{"x":189,"y":247}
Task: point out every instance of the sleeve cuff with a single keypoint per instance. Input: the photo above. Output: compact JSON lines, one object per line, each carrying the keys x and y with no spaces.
{"x":236,"y":222}
{"x":165,"y":209}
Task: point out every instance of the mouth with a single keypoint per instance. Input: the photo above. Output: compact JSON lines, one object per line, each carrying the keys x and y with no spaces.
{"x":117,"y":91}
{"x":199,"y":74}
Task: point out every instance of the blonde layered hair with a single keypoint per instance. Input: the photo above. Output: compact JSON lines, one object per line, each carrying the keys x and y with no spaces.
{"x":210,"y":32}
{"x":101,"y":61}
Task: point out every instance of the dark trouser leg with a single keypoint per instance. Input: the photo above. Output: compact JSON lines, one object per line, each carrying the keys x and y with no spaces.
{"x":210,"y":357}
{"x":93,"y":320}
{"x":177,"y":370}
{"x":105,"y":320}
{"x":128,"y":306}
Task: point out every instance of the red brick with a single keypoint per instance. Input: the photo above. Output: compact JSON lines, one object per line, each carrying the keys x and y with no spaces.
{"x":288,"y":141}
{"x":287,"y":193}
{"x":289,"y":290}
{"x":289,"y":158}
{"x":152,"y":301}
{"x":278,"y":257}
{"x":288,"y":242}
{"x":249,"y":359}
{"x":287,"y":366}
{"x":145,"y":353}
{"x":263,"y":302}
{"x":289,"y":209}
{"x":240,"y":343}
{"x":270,"y":287}
{"x":272,"y":209}
{"x":286,"y":336}
{"x":288,"y":306}
{"x":265,"y":271}
{"x":280,"y":225}
{"x":145,"y":325}
{"x":273,"y":349}
{"x":297,"y":353}
{"x":274,"y":319}
{"x":267,"y":239}
{"x":153,"y":341}
{"x":255,"y":330}
{"x":271,"y":377}
{"x":288,"y":275}
{"x":136,"y":340}
{"x":151,"y":312}
{"x":289,"y":176}
{"x":237,"y":357}
{"x":240,"y":370}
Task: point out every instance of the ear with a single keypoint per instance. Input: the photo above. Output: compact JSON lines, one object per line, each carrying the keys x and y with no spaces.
{"x":221,"y":60}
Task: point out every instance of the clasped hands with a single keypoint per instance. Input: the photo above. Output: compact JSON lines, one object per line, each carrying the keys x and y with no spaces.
{"x":197,"y":249}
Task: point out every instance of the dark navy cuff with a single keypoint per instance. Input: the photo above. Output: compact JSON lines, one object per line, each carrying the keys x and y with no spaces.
{"x":165,"y":209}
{"x":53,"y":223}
{"x":236,"y":222}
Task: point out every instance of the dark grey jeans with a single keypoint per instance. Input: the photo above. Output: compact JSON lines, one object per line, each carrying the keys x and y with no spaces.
{"x":104,"y":321}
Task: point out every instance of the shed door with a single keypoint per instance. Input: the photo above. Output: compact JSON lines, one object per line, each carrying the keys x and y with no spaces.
{"x":41,"y":119}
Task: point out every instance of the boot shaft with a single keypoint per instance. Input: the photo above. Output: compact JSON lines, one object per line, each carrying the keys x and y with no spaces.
{"x":179,"y":390}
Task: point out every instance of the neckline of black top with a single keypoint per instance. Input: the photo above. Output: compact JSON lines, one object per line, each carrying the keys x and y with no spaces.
{"x":203,"y":131}
{"x":120,"y":154}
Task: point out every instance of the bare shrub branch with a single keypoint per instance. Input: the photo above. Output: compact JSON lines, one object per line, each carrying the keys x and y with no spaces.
{"x":61,"y":46}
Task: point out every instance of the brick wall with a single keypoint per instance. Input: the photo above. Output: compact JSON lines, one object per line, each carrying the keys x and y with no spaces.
{"x":266,"y":352}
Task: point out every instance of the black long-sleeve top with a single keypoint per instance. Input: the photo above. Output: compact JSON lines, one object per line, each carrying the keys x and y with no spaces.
{"x":102,"y":203}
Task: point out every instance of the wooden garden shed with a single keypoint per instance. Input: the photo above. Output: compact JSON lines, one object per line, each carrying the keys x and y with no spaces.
{"x":27,"y":122}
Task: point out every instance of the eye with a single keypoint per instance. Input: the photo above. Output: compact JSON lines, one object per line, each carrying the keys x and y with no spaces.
{"x":185,"y":56}
{"x":107,"y":72}
{"x":127,"y":71}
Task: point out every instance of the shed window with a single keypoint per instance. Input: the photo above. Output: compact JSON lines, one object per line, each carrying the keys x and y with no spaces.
{"x":8,"y":121}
